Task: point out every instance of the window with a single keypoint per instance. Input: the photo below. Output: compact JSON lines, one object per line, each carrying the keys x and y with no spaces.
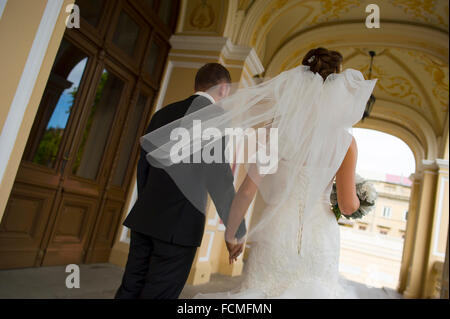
{"x":126,"y":35}
{"x":165,"y":11}
{"x":387,"y":212}
{"x":405,"y":216}
{"x":383,"y":230}
{"x":362,"y":227}
{"x":96,"y":132}
{"x":57,"y":105}
{"x":91,"y":10}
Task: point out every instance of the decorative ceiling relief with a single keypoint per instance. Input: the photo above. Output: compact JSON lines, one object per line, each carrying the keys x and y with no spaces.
{"x":204,"y":17}
{"x":396,"y":86}
{"x":402,"y":79}
{"x":333,"y":10}
{"x":439,"y":74}
{"x":394,"y":82}
{"x":425,"y":11}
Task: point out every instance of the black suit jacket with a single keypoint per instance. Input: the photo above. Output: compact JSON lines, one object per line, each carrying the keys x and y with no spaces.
{"x":161,"y":210}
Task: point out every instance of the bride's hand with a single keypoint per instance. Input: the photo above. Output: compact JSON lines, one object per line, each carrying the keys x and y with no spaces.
{"x":234,"y":250}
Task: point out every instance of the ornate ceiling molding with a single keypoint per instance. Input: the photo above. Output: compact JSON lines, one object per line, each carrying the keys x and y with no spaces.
{"x":353,"y":34}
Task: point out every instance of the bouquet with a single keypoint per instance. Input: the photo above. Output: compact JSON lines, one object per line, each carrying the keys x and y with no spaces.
{"x":367,"y":196}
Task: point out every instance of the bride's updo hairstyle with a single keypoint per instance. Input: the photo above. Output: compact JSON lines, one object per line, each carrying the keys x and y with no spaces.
{"x":323,"y":61}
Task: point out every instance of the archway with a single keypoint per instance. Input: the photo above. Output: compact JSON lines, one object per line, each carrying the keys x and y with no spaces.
{"x":372,"y":247}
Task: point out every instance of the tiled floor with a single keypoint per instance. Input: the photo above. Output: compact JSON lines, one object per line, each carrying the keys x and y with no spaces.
{"x":100,"y":281}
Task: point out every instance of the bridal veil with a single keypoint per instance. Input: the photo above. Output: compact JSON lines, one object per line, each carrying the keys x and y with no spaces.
{"x":296,"y":118}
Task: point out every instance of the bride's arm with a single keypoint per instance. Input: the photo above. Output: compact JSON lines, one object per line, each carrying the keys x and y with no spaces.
{"x":240,"y":204}
{"x":348,"y":201}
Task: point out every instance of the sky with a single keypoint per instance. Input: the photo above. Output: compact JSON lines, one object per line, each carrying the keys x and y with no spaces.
{"x":382,"y":153}
{"x":60,"y":116}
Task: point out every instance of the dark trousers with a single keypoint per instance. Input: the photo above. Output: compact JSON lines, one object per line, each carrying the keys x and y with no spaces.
{"x":155,"y":269}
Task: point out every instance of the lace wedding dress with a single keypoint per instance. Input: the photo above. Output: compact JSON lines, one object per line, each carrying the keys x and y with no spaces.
{"x":275,"y":269}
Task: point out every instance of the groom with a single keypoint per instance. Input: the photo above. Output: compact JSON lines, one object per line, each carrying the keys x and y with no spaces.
{"x":166,"y":228}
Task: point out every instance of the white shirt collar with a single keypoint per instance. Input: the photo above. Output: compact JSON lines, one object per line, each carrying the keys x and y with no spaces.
{"x":209,"y":97}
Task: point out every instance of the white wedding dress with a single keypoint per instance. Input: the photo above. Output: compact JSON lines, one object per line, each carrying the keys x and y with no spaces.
{"x":275,"y":269}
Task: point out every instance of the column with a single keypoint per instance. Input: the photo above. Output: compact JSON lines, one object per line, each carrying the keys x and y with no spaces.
{"x":439,"y":233}
{"x":444,"y":281}
{"x":408,"y":245}
{"x":422,"y":236}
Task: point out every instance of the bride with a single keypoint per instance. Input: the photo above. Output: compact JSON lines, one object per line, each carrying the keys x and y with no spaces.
{"x":295,"y":241}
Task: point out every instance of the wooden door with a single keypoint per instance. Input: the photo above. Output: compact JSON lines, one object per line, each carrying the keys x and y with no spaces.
{"x":76,"y":170}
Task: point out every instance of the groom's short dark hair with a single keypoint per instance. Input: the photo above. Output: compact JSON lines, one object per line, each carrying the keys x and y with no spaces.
{"x":211,"y":74}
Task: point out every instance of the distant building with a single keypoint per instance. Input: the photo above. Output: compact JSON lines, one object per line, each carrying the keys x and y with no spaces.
{"x":371,"y":248}
{"x":391,"y":209}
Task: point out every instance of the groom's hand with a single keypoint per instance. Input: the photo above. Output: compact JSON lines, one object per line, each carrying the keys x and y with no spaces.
{"x":234,"y":250}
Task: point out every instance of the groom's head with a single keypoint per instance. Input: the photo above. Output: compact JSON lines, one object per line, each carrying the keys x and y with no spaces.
{"x":214,"y":79}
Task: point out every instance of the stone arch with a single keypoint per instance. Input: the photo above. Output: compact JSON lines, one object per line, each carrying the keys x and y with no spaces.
{"x":255,"y":11}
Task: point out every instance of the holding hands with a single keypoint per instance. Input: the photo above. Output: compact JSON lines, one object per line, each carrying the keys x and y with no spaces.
{"x":234,"y":250}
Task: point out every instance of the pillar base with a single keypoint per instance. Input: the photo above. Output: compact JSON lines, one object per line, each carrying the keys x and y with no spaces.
{"x":409,"y":295}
